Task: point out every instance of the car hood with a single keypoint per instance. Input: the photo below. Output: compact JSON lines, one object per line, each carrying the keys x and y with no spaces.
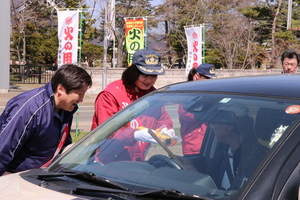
{"x":15,"y":186}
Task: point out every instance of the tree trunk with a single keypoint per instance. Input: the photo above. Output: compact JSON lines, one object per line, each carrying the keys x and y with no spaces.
{"x":120,"y":55}
{"x":273,"y":49}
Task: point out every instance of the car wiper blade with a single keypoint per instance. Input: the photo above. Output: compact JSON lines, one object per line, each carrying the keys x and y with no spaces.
{"x":163,"y":193}
{"x":87,"y":176}
{"x":174,"y":194}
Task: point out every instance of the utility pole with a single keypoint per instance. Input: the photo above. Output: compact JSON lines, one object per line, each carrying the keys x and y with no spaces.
{"x":104,"y":81}
{"x":289,"y":15}
{"x":5,"y":45}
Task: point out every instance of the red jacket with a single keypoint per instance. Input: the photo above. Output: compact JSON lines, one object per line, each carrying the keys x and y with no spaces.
{"x":115,"y":97}
{"x":112,"y":99}
{"x":137,"y":149}
{"x":192,"y":132}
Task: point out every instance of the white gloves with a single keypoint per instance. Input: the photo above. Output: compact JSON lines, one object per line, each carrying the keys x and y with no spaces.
{"x":143,"y":135}
{"x":171,"y":134}
{"x":165,"y":131}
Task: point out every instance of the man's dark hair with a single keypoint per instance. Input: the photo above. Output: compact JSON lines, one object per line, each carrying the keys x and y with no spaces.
{"x":71,"y":77}
{"x":130,"y":75}
{"x":291,"y":53}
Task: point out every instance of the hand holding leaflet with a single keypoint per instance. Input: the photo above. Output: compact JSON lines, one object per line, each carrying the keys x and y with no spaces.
{"x":167,"y":136}
{"x":142,"y":135}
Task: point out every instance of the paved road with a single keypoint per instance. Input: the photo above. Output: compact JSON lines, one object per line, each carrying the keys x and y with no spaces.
{"x":83,"y":118}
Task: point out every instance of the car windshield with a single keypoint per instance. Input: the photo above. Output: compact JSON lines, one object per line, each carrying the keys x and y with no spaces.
{"x":203,"y":144}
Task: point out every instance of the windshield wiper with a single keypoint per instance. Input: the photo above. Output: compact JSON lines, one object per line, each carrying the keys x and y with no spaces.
{"x":85,"y":176}
{"x":174,"y":194}
{"x":163,"y":193}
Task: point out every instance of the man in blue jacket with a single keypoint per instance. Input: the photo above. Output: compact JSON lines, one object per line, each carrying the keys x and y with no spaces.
{"x":35,"y":125}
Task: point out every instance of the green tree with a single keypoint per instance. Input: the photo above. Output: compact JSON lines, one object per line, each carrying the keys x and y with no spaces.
{"x":270,"y":19}
{"x":239,"y":34}
{"x":230,"y":35}
{"x":34,"y":39}
{"x":91,"y":53}
{"x":34,"y":30}
{"x":176,"y":14}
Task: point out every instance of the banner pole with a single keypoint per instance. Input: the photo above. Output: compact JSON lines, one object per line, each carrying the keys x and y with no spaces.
{"x":203,"y":43}
{"x":112,"y":32}
{"x":80,"y":36}
{"x":146,"y":33}
{"x":79,"y":62}
{"x":105,"y":51}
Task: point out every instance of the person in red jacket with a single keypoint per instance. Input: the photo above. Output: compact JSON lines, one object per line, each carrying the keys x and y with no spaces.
{"x":137,"y":81}
{"x":192,"y":132}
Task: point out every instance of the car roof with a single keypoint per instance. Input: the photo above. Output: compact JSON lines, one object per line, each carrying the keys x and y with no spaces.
{"x":283,"y":85}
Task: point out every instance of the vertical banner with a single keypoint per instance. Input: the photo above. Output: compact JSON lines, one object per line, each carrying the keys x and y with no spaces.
{"x":134,"y":30}
{"x":67,"y":37}
{"x":194,"y":44}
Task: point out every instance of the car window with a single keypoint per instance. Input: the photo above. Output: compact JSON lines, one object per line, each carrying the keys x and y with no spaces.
{"x":204,"y":144}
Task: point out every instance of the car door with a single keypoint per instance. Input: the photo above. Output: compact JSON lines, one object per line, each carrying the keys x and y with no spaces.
{"x":278,"y":177}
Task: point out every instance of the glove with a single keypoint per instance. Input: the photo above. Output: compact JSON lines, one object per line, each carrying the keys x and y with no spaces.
{"x":172,"y":139}
{"x":143,"y":135}
{"x":165,"y":131}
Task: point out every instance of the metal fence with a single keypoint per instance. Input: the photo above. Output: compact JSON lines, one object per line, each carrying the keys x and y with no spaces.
{"x":27,"y":74}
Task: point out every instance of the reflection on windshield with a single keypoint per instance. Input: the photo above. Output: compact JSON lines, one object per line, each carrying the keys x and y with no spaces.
{"x":198,"y":144}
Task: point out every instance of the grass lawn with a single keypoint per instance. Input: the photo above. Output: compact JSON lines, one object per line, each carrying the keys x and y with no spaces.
{"x":80,"y":135}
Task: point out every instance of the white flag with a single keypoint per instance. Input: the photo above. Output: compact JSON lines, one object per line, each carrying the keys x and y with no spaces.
{"x":194,"y":43}
{"x":67,"y":37}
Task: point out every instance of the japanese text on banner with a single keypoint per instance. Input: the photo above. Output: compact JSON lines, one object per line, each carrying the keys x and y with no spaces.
{"x":194,"y":43}
{"x":67,"y":37}
{"x":134,"y":29}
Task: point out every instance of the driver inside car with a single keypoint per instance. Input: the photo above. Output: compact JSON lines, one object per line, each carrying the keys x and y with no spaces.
{"x":227,"y":158}
{"x":233,"y":162}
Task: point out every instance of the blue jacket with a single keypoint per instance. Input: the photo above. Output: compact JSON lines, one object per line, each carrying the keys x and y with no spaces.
{"x":30,"y":130}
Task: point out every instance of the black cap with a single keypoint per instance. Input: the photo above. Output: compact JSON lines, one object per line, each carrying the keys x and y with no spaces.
{"x":207,"y":70}
{"x":148,"y":62}
{"x":225,"y":117}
